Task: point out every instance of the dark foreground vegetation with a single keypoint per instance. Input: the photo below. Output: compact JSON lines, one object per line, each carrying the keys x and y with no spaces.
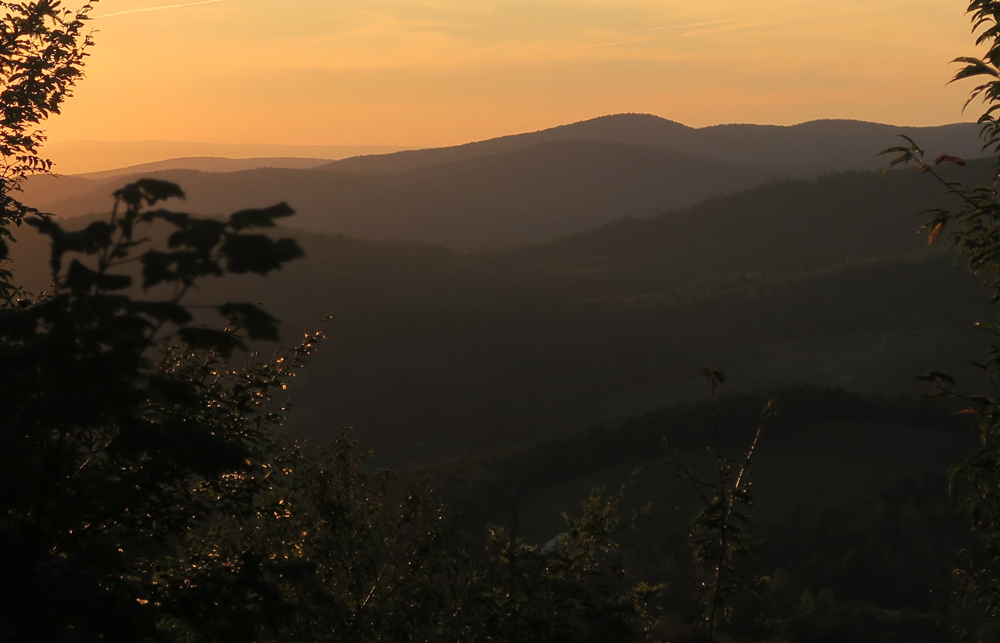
{"x":152,"y":493}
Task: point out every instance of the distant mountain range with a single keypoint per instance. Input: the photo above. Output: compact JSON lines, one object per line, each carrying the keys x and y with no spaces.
{"x":209,"y":164}
{"x":82,"y":156}
{"x":530,"y":195}
{"x":523,"y":189}
{"x":800,"y":150}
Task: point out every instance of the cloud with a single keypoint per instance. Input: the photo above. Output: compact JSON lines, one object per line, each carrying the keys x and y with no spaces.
{"x":683,"y":31}
{"x":159,"y":8}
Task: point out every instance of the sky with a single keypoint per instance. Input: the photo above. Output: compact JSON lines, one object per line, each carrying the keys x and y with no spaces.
{"x":440,"y":72}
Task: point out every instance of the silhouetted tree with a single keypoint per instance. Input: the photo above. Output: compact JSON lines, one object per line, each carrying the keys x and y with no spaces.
{"x":145,"y":493}
{"x":42,"y":51}
{"x":974,"y":229}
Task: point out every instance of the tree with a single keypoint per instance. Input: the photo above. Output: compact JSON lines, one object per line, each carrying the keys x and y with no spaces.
{"x":722,"y":532}
{"x":383,"y":559}
{"x":115,"y":439}
{"x":42,"y":51}
{"x":974,"y":229}
{"x":145,"y":492}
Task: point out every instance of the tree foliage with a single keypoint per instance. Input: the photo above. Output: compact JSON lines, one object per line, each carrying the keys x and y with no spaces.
{"x":118,"y":435}
{"x":42,"y":51}
{"x":722,"y":532}
{"x":147,"y":494}
{"x":973,"y":226}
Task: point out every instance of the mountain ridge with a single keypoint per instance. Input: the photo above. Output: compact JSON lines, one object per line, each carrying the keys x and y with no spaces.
{"x":531,"y":188}
{"x":214,"y":164}
{"x":502,"y":200}
{"x":849,"y":138}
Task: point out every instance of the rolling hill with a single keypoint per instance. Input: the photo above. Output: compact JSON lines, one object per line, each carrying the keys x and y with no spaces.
{"x":82,"y":156}
{"x":518,"y":190}
{"x":209,"y":164}
{"x":802,"y":150}
{"x":525,"y":196}
{"x":781,"y":227}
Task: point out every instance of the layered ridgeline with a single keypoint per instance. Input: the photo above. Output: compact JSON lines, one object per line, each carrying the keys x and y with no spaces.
{"x":800,"y":150}
{"x":434,"y":352}
{"x":523,"y":189}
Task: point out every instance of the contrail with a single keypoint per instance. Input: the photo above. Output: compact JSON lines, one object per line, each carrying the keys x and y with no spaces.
{"x":160,"y":8}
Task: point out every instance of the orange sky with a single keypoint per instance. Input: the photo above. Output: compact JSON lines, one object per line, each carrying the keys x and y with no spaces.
{"x":436,"y":72}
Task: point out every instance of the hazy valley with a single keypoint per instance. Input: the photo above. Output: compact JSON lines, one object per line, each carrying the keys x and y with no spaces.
{"x":670,"y":263}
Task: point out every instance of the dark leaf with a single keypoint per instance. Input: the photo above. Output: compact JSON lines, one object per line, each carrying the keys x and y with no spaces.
{"x":156,"y":268}
{"x":174,"y":391}
{"x":935,"y":233}
{"x":257,"y":322}
{"x":148,"y":192}
{"x":936,"y":376}
{"x":80,"y":278}
{"x":263,"y":218}
{"x":201,"y":236}
{"x":220,"y":341}
{"x":161,"y":311}
{"x":947,"y":158}
{"x":178,"y":219}
{"x":258,"y":253}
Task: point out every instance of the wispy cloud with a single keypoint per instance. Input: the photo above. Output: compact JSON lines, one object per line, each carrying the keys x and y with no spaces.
{"x":693,"y":29}
{"x":158,"y":8}
{"x":683,"y":31}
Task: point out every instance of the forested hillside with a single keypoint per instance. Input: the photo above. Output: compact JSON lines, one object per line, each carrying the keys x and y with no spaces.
{"x":858,"y":538}
{"x":823,"y":281}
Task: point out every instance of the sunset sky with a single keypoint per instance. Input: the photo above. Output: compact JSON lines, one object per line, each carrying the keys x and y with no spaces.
{"x":437,"y":72}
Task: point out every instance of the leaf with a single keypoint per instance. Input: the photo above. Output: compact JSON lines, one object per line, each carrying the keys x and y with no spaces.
{"x":262,"y":218}
{"x":258,"y":253}
{"x":257,"y":322}
{"x":200,"y":235}
{"x":178,"y":219}
{"x":48,"y":227}
{"x":200,"y":338}
{"x":148,"y":192}
{"x":895,"y":150}
{"x":80,"y":278}
{"x":935,"y":233}
{"x":902,"y":158}
{"x":947,"y":158}
{"x":156,"y":268}
{"x":172,"y":389}
{"x":161,"y":311}
{"x":973,"y":67}
{"x":936,"y":376}
{"x":185,"y":442}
